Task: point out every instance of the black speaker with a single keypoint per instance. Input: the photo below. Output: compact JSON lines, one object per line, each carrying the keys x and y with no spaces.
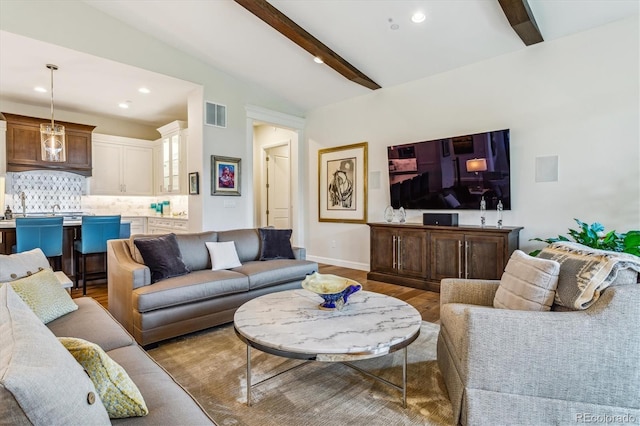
{"x":443,"y":219}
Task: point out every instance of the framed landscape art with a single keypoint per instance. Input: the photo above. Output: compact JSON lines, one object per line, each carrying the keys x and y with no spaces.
{"x":225,"y":175}
{"x":342,"y":184}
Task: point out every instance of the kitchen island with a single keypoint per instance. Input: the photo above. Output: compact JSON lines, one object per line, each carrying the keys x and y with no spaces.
{"x":71,"y":232}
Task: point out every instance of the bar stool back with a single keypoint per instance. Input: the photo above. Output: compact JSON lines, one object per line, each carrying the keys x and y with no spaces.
{"x":95,"y":231}
{"x":41,"y":232}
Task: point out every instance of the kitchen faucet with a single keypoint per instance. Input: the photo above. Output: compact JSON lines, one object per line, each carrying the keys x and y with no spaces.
{"x":24,"y":206}
{"x":54,"y":208}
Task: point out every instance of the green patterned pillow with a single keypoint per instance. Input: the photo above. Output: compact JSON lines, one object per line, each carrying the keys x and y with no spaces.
{"x":117,"y":391}
{"x":44,"y":295}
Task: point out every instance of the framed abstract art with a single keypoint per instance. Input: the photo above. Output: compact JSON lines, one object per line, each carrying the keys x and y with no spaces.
{"x":342,"y":184}
{"x":225,"y":175}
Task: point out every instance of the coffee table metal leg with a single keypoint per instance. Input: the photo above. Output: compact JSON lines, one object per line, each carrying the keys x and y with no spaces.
{"x":248,"y":375}
{"x":404,"y":379}
{"x":402,"y":388}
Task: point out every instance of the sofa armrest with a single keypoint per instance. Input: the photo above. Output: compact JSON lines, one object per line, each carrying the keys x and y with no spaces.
{"x":300,"y":253}
{"x":589,"y":356}
{"x":472,"y":292}
{"x":124,"y":275}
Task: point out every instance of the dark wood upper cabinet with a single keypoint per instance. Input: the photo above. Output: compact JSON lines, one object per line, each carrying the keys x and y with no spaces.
{"x":23,"y":146}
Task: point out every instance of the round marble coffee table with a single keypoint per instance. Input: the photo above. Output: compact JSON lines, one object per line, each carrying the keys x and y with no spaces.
{"x":290,"y":324}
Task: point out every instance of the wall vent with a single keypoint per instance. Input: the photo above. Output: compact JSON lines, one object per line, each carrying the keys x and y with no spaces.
{"x":215,"y":114}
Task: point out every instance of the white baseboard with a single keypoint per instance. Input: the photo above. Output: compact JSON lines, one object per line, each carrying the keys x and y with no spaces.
{"x":338,"y":262}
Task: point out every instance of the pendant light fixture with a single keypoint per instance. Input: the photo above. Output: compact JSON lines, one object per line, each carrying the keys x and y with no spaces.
{"x":52,"y":135}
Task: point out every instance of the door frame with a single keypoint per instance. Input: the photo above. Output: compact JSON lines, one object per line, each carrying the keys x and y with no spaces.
{"x":298,"y":149}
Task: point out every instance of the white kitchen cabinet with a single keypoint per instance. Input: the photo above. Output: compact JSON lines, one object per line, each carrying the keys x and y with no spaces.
{"x":121,"y":166}
{"x":170,"y":164}
{"x":138,"y":224}
{"x":167,"y":225}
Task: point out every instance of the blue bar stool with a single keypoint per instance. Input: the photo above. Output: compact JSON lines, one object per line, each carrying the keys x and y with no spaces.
{"x":40,"y":232}
{"x":94,"y":233}
{"x":125,"y":229}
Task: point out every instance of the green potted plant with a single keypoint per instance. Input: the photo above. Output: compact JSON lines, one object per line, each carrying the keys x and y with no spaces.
{"x":594,"y":236}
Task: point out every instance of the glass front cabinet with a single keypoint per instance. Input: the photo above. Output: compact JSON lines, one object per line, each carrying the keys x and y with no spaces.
{"x":170,"y":159}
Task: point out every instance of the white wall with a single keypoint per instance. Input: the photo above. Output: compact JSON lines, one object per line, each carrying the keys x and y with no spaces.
{"x":575,"y":97}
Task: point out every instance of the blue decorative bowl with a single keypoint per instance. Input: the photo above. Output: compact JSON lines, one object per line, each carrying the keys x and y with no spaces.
{"x":333,"y":289}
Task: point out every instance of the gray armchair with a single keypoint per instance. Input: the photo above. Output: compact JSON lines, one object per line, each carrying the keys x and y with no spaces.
{"x":522,"y":367}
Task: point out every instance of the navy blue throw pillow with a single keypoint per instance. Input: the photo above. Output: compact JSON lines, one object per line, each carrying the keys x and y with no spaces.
{"x":275,"y":244}
{"x":162,"y":256}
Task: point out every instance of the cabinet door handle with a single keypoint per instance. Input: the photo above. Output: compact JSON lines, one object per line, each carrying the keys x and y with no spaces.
{"x":459,"y":259}
{"x":393,"y":253}
{"x":466,"y":259}
{"x":399,"y":253}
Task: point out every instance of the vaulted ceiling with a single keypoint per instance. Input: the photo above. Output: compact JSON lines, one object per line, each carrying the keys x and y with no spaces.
{"x":377,"y":37}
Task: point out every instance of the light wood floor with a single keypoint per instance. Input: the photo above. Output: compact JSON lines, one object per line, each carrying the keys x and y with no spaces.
{"x":426,"y":302}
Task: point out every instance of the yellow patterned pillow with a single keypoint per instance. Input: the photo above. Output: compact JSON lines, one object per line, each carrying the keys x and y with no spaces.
{"x":117,"y":391}
{"x":44,"y":295}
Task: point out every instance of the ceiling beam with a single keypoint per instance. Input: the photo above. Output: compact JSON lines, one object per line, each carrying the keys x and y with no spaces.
{"x":285,"y":26}
{"x":521,"y":20}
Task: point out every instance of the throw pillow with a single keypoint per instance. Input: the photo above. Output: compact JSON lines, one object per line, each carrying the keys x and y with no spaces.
{"x":585,"y":272}
{"x":44,"y":295}
{"x":120,"y":396}
{"x":40,"y":382}
{"x":194,"y":250}
{"x":528,"y":283}
{"x":223,"y":255}
{"x":162,"y":256}
{"x":275,"y":244}
{"x":20,"y":265}
{"x":135,"y":253}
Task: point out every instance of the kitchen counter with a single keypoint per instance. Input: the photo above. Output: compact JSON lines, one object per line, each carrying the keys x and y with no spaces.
{"x":11,"y":224}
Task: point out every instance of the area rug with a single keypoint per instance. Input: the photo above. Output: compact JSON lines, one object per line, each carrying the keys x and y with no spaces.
{"x":211,"y":365}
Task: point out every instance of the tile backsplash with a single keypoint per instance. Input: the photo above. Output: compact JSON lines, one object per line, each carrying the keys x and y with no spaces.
{"x":43,"y":189}
{"x":132,"y":206}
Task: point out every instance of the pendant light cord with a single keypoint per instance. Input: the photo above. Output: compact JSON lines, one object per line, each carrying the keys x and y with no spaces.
{"x":52,"y":68}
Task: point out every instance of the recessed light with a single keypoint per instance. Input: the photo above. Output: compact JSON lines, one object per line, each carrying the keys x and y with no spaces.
{"x":124,"y":105}
{"x":40,"y":89}
{"x":418,"y":17}
{"x":318,"y":60}
{"x":144,"y":90}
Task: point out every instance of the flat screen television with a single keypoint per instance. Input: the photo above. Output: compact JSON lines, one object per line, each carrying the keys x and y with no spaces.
{"x":451,"y":173}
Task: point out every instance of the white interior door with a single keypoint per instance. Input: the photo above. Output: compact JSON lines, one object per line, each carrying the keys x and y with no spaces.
{"x":278,"y":187}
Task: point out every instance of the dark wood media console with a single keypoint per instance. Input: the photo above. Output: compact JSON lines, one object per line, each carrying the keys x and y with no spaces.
{"x":419,"y":256}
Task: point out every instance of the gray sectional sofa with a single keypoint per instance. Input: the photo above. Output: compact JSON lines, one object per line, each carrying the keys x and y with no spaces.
{"x":202,"y":298}
{"x":167,"y":401}
{"x":42,"y":384}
